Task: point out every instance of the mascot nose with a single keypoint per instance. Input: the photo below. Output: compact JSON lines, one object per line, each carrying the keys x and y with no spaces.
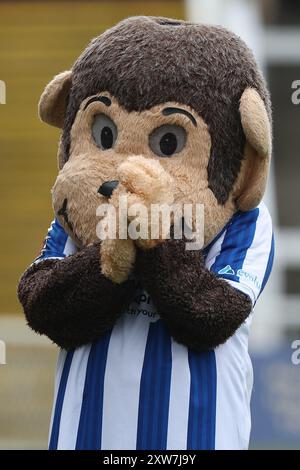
{"x":107,"y":188}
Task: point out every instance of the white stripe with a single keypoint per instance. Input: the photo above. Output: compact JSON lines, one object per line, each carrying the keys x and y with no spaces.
{"x":122,"y":383}
{"x":45,"y":259}
{"x":73,"y":399}
{"x":234,"y":385}
{"x":59,"y":368}
{"x":214,"y":251}
{"x":179,"y":398}
{"x":243,"y":288}
{"x":257,"y":255}
{"x":70,"y":247}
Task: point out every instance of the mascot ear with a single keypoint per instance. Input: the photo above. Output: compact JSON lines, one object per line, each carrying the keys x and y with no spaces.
{"x":53,"y":102}
{"x":255,"y":168}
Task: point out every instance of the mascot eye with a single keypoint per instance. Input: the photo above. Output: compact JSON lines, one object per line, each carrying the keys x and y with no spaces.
{"x":104,"y":131}
{"x":167,"y":140}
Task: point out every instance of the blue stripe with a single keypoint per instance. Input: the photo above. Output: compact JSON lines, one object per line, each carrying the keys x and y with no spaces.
{"x":146,"y":387}
{"x":155,"y":390}
{"x":206,"y":405}
{"x":202,"y":407}
{"x":59,"y":401}
{"x":55,"y":242}
{"x":216,"y":238}
{"x":90,"y":424}
{"x":269,"y":265}
{"x":238,"y":239}
{"x":193,"y":427}
{"x":212,"y":393}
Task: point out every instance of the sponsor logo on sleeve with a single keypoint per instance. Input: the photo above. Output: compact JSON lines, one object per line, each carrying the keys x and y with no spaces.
{"x":241,"y":274}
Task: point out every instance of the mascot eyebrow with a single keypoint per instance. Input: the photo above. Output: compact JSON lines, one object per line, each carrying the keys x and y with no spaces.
{"x":168,"y":111}
{"x":103,"y":99}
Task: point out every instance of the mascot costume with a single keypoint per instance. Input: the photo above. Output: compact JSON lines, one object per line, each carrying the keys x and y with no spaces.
{"x":154,"y":336}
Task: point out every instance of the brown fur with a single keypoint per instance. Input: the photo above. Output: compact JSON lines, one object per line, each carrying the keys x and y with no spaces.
{"x":88,"y":167}
{"x":142,"y":181}
{"x":53,"y":102}
{"x":70,"y":301}
{"x":117,"y":259}
{"x":199,"y":310}
{"x":254,"y":172}
{"x":255,"y":122}
{"x":144,"y":65}
{"x":210,"y":73}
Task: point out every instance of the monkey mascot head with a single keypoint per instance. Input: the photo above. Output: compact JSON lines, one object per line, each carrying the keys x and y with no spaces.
{"x":161,"y":111}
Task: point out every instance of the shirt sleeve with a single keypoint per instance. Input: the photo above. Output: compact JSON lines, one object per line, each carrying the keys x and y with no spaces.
{"x":244,"y":253}
{"x":57,"y":244}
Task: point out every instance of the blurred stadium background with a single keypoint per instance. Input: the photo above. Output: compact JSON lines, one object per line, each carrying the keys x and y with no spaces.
{"x":41,"y":38}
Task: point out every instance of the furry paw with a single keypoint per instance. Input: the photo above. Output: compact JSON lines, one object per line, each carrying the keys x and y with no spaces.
{"x":147,"y":179}
{"x":146,"y":184}
{"x":143,"y":182}
{"x":117,"y":259}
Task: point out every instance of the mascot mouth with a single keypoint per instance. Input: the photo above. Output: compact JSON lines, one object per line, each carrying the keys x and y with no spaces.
{"x":64,"y":213}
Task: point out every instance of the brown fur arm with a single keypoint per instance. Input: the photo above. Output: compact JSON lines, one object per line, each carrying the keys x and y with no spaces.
{"x":200,"y":310}
{"x":69,"y":300}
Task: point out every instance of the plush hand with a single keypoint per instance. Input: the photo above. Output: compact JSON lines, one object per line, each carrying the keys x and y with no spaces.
{"x":142,"y":183}
{"x":200,"y":310}
{"x":70,"y":301}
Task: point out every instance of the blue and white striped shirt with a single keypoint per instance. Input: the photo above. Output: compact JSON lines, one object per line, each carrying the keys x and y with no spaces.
{"x":136,"y":388}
